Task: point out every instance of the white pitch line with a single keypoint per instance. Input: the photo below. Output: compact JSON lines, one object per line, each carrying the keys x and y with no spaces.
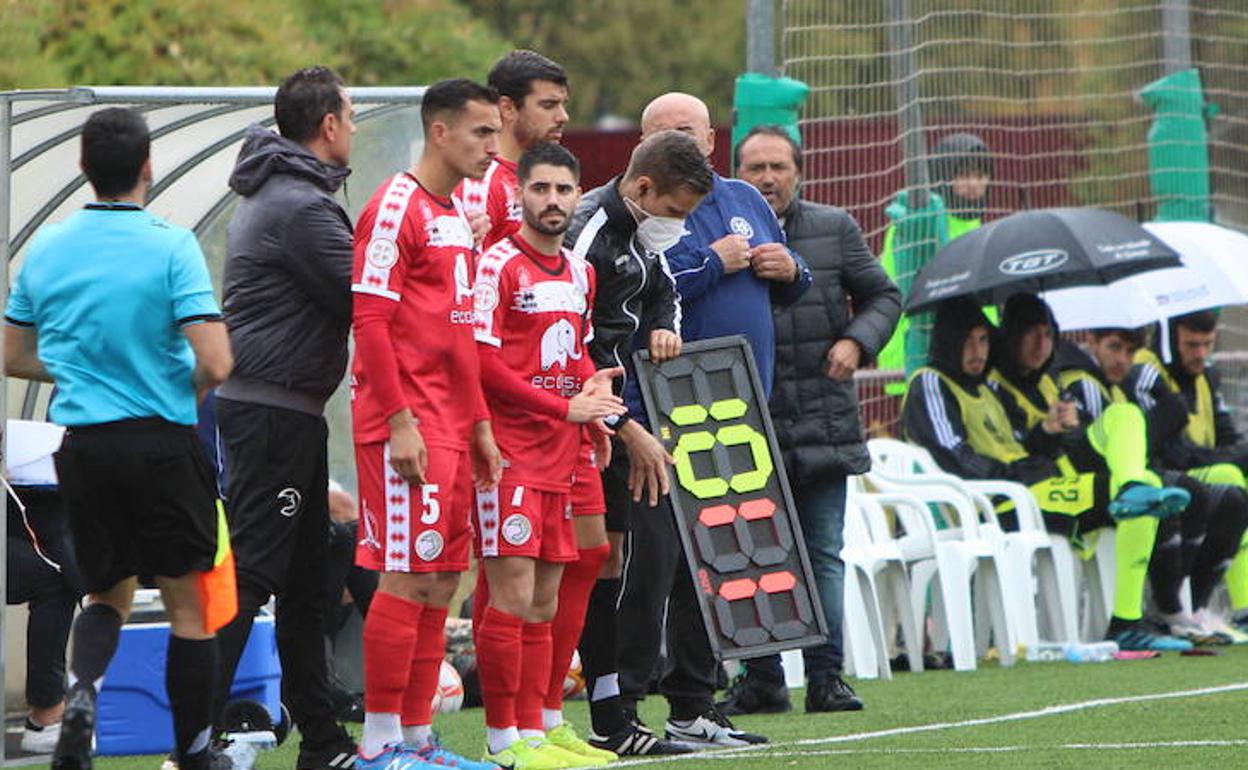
{"x":1047,"y":711}
{"x":994,"y":749}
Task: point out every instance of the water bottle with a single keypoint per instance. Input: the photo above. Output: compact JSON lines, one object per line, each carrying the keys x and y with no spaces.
{"x":1090,"y":652}
{"x":242,"y":748}
{"x":1044,"y":652}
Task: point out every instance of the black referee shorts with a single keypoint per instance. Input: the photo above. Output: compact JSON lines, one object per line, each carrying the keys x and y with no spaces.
{"x":141,"y":500}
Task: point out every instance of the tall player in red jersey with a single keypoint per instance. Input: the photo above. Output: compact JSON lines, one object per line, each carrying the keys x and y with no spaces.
{"x":422,"y":430}
{"x":533,"y":301}
{"x":533,"y":100}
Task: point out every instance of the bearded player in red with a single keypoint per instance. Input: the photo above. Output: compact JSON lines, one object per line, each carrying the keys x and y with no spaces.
{"x":533,"y":97}
{"x":422,"y":430}
{"x":533,"y":101}
{"x":533,"y":300}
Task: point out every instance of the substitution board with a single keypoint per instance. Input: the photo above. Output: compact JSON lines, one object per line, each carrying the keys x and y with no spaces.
{"x":732,"y":500}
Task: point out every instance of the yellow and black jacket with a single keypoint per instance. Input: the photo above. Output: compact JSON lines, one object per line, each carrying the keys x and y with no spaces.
{"x":962,"y":421}
{"x":1209,"y":434}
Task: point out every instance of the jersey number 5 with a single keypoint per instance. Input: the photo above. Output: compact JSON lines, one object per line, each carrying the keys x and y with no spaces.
{"x":432,"y":509}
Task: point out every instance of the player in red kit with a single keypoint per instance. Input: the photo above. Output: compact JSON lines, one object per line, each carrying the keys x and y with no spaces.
{"x":533,"y":100}
{"x":422,"y":431}
{"x":533,"y":301}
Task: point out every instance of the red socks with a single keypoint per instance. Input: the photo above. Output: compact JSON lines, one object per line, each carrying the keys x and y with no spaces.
{"x":480,"y":596}
{"x":498,"y":664}
{"x":426,"y":667}
{"x":534,"y":675}
{"x":578,"y":582}
{"x":389,"y":640}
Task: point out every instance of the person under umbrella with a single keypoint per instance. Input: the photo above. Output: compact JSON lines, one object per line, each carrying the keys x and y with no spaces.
{"x":952,"y":411}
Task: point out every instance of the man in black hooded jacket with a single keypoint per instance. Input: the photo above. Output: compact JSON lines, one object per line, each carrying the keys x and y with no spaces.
{"x":287,"y":302}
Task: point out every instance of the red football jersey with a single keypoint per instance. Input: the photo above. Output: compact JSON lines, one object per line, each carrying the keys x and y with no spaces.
{"x":495,"y":194}
{"x":413,"y":276}
{"x":535,"y":309}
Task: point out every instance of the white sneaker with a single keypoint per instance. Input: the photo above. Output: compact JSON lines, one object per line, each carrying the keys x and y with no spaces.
{"x":1216,"y":624}
{"x":1190,"y":627}
{"x":40,"y":740}
{"x":710,"y":729}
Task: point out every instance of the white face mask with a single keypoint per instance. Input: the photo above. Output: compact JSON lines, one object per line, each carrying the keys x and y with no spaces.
{"x":657,"y":234}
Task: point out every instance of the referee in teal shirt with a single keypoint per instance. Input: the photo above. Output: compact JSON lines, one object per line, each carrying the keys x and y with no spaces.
{"x":114,"y":306}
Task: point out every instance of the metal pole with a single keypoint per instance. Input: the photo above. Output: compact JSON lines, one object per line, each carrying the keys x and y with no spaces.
{"x":6,"y":127}
{"x":910,"y":113}
{"x":760,"y":37}
{"x":1176,"y":29}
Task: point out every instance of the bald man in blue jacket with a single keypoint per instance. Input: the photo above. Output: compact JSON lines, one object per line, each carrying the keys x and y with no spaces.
{"x":730,"y":265}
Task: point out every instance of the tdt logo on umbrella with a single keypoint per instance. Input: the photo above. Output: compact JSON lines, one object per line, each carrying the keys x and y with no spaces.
{"x":1032,"y":262}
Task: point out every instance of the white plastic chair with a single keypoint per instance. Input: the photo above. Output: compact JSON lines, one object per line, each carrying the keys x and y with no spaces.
{"x":1032,"y":567}
{"x":964,"y":559}
{"x":885,"y":558}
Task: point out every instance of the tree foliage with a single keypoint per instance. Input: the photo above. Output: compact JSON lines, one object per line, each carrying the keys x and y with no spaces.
{"x":622,"y":53}
{"x":206,"y":42}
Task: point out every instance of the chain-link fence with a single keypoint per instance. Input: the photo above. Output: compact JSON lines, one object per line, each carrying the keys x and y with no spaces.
{"x":1067,"y":97}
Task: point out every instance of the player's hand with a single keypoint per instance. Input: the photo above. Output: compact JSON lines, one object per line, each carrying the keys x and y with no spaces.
{"x":1068,"y":413}
{"x":408,"y":456}
{"x":479,"y":221}
{"x":1057,"y":419}
{"x":773,"y":262}
{"x":842,"y":360}
{"x":487,"y":461}
{"x":664,"y":345}
{"x":647,"y":463}
{"x":733,"y":251}
{"x":587,"y":407}
{"x":597,"y":399}
{"x":601,"y":380}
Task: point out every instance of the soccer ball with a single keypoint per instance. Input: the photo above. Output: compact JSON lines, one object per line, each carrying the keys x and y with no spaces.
{"x":574,"y":681}
{"x":449,"y":696}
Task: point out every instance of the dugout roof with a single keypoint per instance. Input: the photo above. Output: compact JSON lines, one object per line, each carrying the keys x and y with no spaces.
{"x":196,"y":134}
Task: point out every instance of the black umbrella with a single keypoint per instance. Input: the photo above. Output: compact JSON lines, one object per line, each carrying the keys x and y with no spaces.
{"x":1034,"y":251}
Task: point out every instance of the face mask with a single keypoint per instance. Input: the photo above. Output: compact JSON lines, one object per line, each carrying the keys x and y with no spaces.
{"x":657,"y":234}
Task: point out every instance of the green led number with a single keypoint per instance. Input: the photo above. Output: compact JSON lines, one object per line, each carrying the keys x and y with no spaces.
{"x":704,"y":441}
{"x":728,"y":409}
{"x":748,"y":481}
{"x":698,"y":441}
{"x":689,"y":414}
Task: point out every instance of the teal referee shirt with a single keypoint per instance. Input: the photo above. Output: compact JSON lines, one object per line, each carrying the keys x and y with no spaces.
{"x":108,"y":291}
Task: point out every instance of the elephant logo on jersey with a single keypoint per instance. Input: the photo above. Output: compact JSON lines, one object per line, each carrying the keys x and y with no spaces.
{"x":559,"y":344}
{"x":463,"y":286}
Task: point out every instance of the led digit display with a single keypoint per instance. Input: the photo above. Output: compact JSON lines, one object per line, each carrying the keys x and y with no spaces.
{"x":732,"y":499}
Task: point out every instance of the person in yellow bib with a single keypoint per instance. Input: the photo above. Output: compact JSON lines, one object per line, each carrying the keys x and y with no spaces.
{"x":1210,"y":447}
{"x":952,"y":410}
{"x":960,"y":170}
{"x":1202,"y":543}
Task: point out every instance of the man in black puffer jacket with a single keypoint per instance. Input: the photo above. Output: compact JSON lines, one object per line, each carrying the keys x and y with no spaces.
{"x":819,"y":346}
{"x":287,"y":303}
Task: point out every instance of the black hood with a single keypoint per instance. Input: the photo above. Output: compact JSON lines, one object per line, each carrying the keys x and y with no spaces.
{"x":265,"y":153}
{"x":955,"y":318}
{"x":952,"y":155}
{"x":1021,"y":312}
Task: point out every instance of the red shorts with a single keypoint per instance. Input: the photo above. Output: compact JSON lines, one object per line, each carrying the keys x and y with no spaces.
{"x":587,"y":496}
{"x":413,"y":528}
{"x":515,"y":520}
